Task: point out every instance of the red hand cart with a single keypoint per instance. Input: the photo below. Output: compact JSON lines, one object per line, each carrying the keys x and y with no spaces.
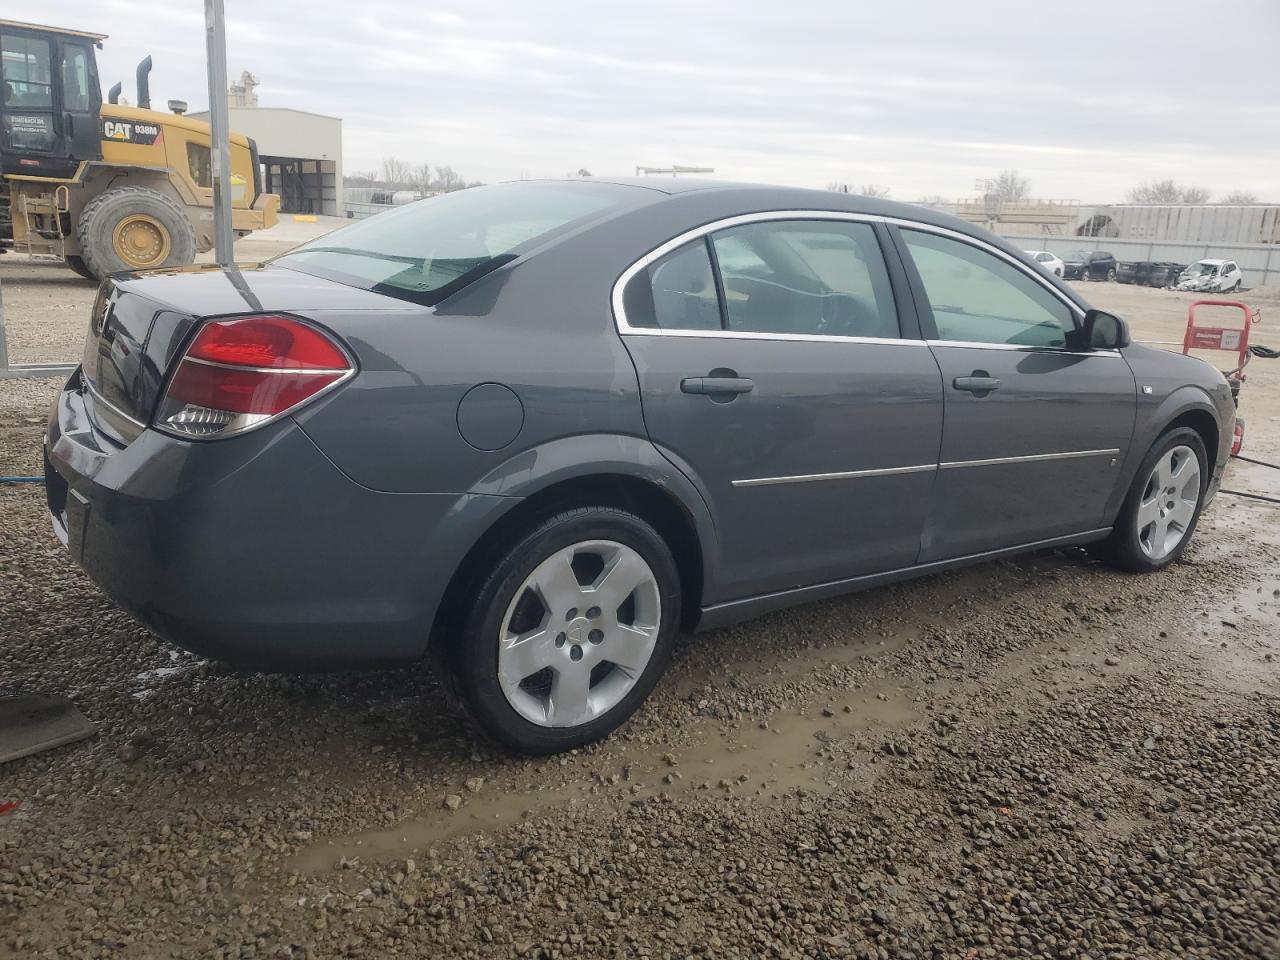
{"x":1233,"y":339}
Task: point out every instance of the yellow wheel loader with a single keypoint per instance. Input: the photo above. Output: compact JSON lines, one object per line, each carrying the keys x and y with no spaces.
{"x":104,"y":186}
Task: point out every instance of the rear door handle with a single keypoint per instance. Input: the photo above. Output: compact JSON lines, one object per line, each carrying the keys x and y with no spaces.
{"x":979,"y":384}
{"x":717,"y":385}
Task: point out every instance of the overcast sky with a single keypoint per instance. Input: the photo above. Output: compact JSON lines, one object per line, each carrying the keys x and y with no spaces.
{"x":1085,"y":98}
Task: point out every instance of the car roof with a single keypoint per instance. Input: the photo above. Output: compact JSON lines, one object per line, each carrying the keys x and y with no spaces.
{"x":732,"y":197}
{"x":1216,"y":263}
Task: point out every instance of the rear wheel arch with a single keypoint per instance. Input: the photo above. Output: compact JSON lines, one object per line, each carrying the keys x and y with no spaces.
{"x":646,"y":499}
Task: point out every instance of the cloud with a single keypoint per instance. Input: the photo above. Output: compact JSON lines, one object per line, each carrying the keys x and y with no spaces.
{"x":922,"y":95}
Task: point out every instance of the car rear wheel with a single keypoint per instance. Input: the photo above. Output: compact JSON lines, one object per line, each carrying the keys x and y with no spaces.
{"x":570,"y":632}
{"x":1162,"y":508}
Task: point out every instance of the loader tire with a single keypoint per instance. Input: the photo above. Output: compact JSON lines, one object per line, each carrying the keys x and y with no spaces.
{"x":78,"y":265}
{"x":134,"y":228}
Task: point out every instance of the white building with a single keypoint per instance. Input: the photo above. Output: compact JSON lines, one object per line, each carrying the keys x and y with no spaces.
{"x":300,"y":153}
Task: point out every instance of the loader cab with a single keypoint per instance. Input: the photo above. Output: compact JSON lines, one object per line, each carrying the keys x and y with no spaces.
{"x":50,"y":100}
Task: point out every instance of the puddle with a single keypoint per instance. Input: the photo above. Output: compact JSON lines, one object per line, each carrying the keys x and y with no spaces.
{"x":813,"y":749}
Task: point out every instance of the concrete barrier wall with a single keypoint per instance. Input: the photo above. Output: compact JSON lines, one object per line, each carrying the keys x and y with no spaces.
{"x":1260,"y":262}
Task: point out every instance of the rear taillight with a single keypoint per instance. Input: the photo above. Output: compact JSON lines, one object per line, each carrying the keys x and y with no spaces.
{"x":242,"y":373}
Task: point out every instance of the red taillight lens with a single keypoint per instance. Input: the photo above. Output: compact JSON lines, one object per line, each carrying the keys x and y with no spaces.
{"x":276,"y":342}
{"x":238,"y":374}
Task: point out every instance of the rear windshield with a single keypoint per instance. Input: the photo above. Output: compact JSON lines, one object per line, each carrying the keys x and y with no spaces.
{"x":428,"y":250}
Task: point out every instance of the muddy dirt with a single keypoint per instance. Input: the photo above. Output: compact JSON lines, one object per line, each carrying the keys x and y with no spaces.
{"x":1037,"y":757}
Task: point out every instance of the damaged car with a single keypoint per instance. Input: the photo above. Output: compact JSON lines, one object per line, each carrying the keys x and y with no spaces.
{"x":1211,"y":276}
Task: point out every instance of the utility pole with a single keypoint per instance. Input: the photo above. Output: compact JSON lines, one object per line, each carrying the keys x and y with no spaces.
{"x":215,"y":38}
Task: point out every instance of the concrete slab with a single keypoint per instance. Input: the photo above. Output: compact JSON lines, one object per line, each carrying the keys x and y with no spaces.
{"x":35,"y":722}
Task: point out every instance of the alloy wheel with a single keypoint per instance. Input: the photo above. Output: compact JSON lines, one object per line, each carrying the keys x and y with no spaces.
{"x":1168,"y":503}
{"x":579,"y":633}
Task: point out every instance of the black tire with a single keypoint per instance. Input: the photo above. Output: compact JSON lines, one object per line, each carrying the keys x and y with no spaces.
{"x":78,"y":265}
{"x":1111,"y":274}
{"x":101,"y":215}
{"x":471,"y":657}
{"x":1122,"y":549}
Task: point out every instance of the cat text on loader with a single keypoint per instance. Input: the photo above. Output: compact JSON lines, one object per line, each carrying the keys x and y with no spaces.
{"x":104,"y":186}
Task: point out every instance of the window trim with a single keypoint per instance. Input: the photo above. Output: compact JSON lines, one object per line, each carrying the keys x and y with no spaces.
{"x":625,"y":329}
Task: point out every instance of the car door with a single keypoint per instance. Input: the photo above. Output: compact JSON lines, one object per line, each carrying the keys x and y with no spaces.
{"x":1034,"y":431}
{"x":777,"y":371}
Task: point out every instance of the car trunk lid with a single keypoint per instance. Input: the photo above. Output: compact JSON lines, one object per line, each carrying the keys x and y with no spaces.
{"x":140,"y":325}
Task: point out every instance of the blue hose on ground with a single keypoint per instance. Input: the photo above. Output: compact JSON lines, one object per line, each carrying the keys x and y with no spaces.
{"x":21,"y":479}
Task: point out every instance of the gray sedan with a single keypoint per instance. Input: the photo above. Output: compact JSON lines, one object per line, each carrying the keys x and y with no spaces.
{"x":537,"y":429}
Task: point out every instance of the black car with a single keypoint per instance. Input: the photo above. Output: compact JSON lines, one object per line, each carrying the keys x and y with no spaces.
{"x":1089,"y":265}
{"x":1140,"y":271}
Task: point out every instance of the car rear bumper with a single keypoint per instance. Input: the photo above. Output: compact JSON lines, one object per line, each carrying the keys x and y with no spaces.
{"x":255,"y":549}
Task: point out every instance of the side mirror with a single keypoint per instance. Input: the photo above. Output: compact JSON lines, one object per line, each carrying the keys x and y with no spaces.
{"x":1102,"y":331}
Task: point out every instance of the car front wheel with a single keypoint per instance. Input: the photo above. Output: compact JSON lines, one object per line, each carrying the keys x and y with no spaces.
{"x":1111,"y":274}
{"x":1162,"y":508}
{"x":570,"y":632}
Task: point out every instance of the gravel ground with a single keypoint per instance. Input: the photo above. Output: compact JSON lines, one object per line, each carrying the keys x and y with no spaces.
{"x":1035,"y":758}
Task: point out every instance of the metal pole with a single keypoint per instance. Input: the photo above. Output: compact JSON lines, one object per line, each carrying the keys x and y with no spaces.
{"x":215,"y":37}
{"x":4,"y":342}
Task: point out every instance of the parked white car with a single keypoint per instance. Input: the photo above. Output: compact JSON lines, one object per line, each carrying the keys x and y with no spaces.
{"x":1211,"y":276}
{"x":1050,"y":262}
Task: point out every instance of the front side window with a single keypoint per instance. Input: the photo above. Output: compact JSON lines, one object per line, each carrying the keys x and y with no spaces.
{"x":805,"y":277}
{"x":426,"y":251}
{"x":977,"y":297}
{"x":24,"y":68}
{"x":75,"y":79}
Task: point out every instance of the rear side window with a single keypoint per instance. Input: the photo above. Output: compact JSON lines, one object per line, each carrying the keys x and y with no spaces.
{"x":976,"y":297}
{"x":684,"y":289}
{"x":805,"y":277}
{"x":427,"y":251}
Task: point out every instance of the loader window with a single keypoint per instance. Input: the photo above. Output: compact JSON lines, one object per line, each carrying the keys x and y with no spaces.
{"x":75,"y":79}
{"x":24,"y":63}
{"x":201,"y":164}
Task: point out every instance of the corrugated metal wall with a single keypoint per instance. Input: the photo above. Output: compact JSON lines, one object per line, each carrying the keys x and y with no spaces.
{"x":1260,"y":262}
{"x":1192,"y":222}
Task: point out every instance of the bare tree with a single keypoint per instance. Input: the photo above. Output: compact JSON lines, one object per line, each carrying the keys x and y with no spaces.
{"x":932,"y":200}
{"x":1167,"y":191}
{"x":1011,"y":187}
{"x":1240,"y":196}
{"x":420,"y":177}
{"x":837,"y":187}
{"x":397,"y":174}
{"x":360,"y":178}
{"x":447,"y":179}
{"x":583,"y":172}
{"x":874,"y":190}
